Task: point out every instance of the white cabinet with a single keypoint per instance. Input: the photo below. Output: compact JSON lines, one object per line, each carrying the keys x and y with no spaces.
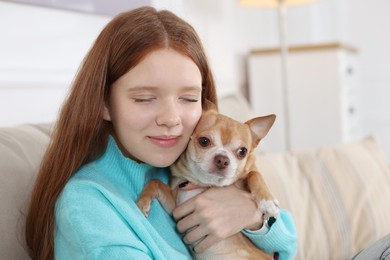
{"x":322,"y":95}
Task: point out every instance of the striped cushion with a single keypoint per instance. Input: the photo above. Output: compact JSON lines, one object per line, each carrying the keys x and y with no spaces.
{"x":338,"y":196}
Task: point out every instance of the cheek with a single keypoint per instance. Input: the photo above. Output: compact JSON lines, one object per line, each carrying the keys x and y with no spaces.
{"x":191,"y":118}
{"x":130,"y":117}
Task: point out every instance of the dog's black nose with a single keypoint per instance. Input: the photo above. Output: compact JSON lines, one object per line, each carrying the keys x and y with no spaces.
{"x":221,"y":161}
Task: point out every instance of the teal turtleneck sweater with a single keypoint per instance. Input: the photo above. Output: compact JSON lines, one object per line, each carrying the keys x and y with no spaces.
{"x":96,"y":216}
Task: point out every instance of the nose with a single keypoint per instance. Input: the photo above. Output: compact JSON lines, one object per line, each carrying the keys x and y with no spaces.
{"x":168,"y":116}
{"x":221,"y":161}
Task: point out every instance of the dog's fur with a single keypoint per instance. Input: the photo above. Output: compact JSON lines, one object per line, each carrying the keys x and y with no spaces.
{"x":219,"y":154}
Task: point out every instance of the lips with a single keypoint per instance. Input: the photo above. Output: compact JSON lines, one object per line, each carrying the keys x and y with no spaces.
{"x":164,"y":141}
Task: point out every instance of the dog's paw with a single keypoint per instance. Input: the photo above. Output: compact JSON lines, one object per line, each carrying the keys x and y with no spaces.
{"x":269,"y":207}
{"x":144,"y":206}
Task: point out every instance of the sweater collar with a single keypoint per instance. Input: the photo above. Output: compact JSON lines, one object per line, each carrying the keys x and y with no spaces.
{"x":114,"y":154}
{"x":123,"y":170}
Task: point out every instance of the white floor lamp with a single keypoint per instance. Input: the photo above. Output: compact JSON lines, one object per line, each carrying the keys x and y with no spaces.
{"x":281,"y":5}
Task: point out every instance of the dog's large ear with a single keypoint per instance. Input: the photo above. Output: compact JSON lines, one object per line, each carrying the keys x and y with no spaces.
{"x":260,"y":127}
{"x":208,"y":105}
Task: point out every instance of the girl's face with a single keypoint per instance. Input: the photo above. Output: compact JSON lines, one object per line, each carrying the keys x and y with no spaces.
{"x":155,"y":107}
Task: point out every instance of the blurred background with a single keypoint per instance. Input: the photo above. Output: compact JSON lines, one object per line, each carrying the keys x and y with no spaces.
{"x":337,"y":66}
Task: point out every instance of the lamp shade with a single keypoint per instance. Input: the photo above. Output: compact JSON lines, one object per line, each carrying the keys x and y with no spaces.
{"x":272,"y":3}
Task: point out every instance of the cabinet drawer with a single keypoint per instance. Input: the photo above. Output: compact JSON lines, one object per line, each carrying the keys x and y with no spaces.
{"x":350,"y":113}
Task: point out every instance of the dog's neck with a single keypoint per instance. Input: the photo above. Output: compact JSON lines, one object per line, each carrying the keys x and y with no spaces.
{"x":184,"y":194}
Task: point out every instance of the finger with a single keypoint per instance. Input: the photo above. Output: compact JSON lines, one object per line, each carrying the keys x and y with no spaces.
{"x":204,"y":244}
{"x":194,"y":235}
{"x":184,"y":209}
{"x":187,"y":223}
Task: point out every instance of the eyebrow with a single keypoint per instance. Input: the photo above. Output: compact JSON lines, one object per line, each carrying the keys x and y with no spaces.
{"x":151,"y":88}
{"x":139,"y":88}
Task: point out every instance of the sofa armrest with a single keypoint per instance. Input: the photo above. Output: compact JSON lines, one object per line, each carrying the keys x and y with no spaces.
{"x":338,"y":196}
{"x":21,"y":151}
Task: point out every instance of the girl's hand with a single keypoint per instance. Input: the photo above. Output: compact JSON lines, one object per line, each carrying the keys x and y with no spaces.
{"x":216,"y":214}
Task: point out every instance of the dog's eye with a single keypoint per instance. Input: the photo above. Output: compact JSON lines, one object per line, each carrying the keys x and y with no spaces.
{"x":204,"y":141}
{"x":241,"y":152}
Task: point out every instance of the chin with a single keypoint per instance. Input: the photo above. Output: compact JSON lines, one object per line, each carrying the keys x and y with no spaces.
{"x":162,"y":162}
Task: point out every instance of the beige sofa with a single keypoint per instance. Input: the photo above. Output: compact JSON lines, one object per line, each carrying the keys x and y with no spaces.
{"x":338,"y":195}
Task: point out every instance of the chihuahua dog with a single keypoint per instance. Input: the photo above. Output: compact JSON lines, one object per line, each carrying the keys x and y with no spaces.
{"x":219,"y":153}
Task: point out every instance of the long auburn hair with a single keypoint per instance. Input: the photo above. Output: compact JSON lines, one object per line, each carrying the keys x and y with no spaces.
{"x":81,"y":134}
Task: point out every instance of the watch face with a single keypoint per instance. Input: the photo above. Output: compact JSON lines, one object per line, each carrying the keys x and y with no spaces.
{"x":271,"y":221}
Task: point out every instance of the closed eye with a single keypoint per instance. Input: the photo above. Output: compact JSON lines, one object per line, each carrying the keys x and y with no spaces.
{"x":193,"y":100}
{"x":191,"y":94}
{"x":145,"y":98}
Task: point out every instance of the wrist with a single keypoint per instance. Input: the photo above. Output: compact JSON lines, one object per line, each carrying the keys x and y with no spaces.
{"x":258,"y":221}
{"x":256,"y":226}
{"x":266,"y":226}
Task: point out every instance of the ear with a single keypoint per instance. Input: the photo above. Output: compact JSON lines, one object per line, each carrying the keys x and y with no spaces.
{"x":106,"y":113}
{"x":260,"y":127}
{"x":208,"y":105}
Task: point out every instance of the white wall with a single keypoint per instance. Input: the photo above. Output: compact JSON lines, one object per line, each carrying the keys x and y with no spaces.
{"x":40,"y":51}
{"x":44,"y":49}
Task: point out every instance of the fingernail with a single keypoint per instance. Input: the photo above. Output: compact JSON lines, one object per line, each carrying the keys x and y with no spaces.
{"x":183,"y":184}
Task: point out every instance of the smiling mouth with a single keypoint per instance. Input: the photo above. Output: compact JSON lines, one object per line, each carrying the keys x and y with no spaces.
{"x":164,"y":141}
